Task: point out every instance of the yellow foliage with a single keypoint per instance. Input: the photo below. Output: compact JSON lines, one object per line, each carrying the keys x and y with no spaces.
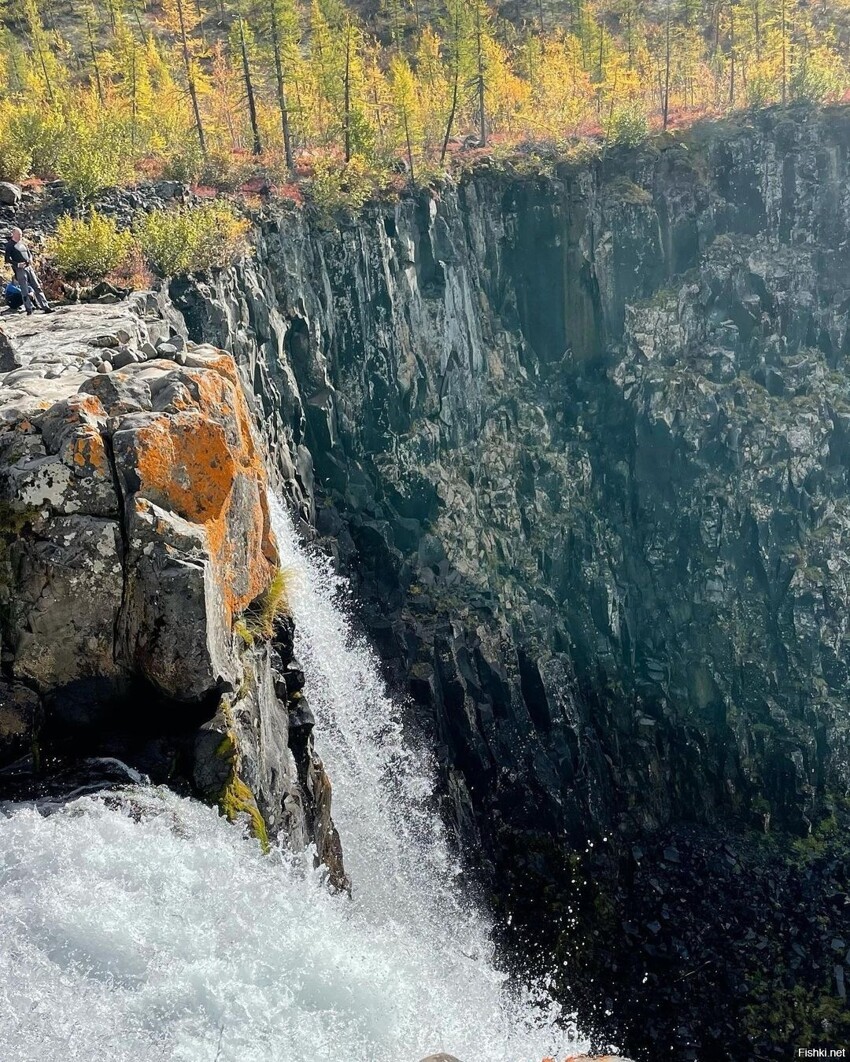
{"x":386,"y":90}
{"x":94,"y":150}
{"x":259,"y":620}
{"x":88,"y":248}
{"x":192,"y":239}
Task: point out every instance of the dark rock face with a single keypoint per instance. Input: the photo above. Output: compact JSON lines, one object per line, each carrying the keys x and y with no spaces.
{"x":582,"y":441}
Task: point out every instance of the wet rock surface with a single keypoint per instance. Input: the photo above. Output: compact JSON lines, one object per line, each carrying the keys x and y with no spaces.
{"x":580,"y":440}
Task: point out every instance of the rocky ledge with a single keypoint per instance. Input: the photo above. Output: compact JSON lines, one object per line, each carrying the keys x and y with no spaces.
{"x":141,"y":601}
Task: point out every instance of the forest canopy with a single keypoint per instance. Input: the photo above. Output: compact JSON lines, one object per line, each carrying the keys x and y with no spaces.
{"x":103,"y":91}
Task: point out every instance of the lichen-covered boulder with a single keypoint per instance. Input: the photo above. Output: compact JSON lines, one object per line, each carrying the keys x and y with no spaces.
{"x":199,"y":544}
{"x":134,"y":534}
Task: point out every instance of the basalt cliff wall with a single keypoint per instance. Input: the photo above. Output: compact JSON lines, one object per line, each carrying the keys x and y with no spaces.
{"x":581,"y":437}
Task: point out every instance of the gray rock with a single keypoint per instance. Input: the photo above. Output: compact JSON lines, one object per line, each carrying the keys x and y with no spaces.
{"x":105,"y":366}
{"x":105,"y":342}
{"x":10,"y":194}
{"x":123,"y":357}
{"x":173,"y":624}
{"x":20,"y":718}
{"x":170,"y":189}
{"x":120,"y":392}
{"x":59,"y":642}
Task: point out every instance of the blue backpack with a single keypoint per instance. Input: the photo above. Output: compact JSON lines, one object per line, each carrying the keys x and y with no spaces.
{"x":14,"y":298}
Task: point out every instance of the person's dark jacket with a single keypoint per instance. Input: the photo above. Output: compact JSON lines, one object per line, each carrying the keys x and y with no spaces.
{"x":17,"y":253}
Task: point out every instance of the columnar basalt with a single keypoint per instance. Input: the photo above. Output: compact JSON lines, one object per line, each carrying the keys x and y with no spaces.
{"x":580,"y":438}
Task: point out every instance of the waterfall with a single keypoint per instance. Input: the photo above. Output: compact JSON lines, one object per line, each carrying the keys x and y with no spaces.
{"x":141,"y":927}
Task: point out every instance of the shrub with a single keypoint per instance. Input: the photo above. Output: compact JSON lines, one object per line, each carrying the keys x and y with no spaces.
{"x":93,"y":156}
{"x":40,"y":132}
{"x":88,"y":248}
{"x":816,"y":77}
{"x":627,"y":124}
{"x":192,"y":239}
{"x":335,"y":187}
{"x":15,"y":157}
{"x":29,"y":141}
{"x":184,"y":165}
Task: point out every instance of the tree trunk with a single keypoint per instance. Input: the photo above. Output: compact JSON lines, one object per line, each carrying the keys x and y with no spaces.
{"x":784,"y":57}
{"x":666,"y":97}
{"x":409,"y":146}
{"x":190,"y":79}
{"x":281,"y":88}
{"x":452,"y":112}
{"x":482,"y":112}
{"x":257,"y":146}
{"x":731,"y":54}
{"x":347,"y":92}
{"x":93,"y":54}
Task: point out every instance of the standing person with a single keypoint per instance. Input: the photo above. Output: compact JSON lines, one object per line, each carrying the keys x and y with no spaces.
{"x":18,"y":256}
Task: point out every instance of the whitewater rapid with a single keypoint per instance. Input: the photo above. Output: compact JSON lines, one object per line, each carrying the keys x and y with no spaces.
{"x":144,"y":928}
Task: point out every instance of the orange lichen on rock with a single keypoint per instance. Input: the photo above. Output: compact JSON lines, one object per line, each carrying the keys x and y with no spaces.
{"x":198,"y":459}
{"x":88,"y":451}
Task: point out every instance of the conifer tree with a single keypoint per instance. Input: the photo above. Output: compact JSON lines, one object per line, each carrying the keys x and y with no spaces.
{"x":88,"y":15}
{"x":243,"y":44}
{"x":407,"y":108}
{"x":41,"y":48}
{"x":182,"y":21}
{"x":459,"y":37}
{"x":279,"y":18}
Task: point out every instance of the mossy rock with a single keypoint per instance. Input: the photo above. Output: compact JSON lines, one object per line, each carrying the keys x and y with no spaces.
{"x":237,"y":802}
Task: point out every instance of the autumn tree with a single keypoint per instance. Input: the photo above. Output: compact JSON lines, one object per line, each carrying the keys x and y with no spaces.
{"x":408,"y":110}
{"x":280,"y":22}
{"x":242,"y":44}
{"x":461,"y":58}
{"x":182,"y":20}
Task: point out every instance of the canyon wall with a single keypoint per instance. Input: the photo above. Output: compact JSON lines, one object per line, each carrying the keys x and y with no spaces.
{"x":580,"y":435}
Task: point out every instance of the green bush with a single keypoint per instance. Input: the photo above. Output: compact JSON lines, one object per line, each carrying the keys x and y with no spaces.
{"x":29,"y":141}
{"x":192,"y":239}
{"x":335,"y":187}
{"x":185,"y":164}
{"x":627,"y":124}
{"x":88,"y":248}
{"x":815,"y":77}
{"x":40,"y":132}
{"x":15,"y":160}
{"x":93,"y":157}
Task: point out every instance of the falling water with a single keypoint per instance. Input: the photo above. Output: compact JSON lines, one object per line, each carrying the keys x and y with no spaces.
{"x":143,"y":928}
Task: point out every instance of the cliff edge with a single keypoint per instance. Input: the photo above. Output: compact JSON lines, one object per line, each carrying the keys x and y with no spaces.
{"x":141,"y":598}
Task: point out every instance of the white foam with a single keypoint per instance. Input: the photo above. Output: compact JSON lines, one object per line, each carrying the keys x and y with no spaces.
{"x":148,"y":930}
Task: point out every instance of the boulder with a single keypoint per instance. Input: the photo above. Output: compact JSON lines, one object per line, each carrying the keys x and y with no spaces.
{"x":10,"y":194}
